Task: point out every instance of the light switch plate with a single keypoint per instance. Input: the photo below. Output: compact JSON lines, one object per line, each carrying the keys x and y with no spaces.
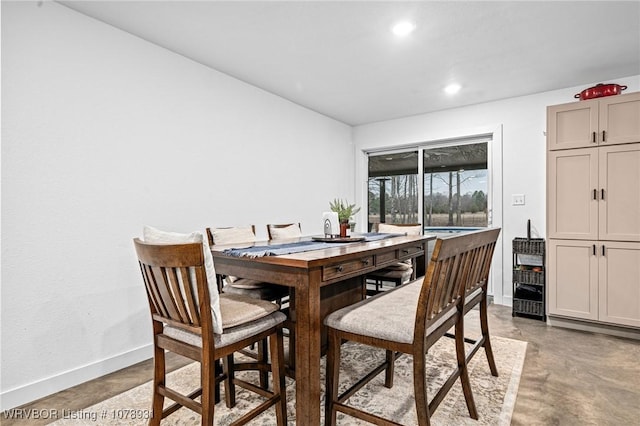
{"x":517,"y":199}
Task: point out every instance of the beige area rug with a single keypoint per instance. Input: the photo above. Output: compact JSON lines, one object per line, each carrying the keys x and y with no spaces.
{"x":494,"y":396}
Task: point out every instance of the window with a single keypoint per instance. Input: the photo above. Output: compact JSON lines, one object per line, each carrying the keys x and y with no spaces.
{"x":444,"y":186}
{"x":393,"y":188}
{"x":455,"y":186}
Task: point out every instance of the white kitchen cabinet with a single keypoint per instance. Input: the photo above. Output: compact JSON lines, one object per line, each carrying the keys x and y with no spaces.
{"x":603,"y":121}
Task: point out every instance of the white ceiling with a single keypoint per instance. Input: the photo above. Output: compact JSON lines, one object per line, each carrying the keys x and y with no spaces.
{"x":340,"y":58}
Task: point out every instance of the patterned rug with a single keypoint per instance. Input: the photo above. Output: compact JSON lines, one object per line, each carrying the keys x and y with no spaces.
{"x":494,"y":396}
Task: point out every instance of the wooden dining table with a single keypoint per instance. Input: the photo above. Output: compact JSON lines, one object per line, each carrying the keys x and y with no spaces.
{"x":320,"y":281}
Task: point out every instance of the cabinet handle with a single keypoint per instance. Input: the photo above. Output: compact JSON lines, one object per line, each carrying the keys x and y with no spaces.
{"x":595,"y":194}
{"x":604,"y":136}
{"x":603,"y":249}
{"x":594,"y":137}
{"x":602,"y":194}
{"x":365,"y":262}
{"x":594,"y":249}
{"x":405,"y":251}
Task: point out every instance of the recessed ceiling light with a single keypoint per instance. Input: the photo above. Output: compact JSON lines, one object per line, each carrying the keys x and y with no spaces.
{"x":453,"y":88}
{"x":403,"y":28}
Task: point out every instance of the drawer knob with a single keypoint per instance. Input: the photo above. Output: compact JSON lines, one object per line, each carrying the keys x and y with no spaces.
{"x":339,"y":268}
{"x":365,"y":262}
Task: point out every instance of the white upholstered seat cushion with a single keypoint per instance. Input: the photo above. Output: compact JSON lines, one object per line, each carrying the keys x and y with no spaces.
{"x":239,"y":234}
{"x":153,"y":235}
{"x":246,"y":283}
{"x":243,"y":317}
{"x":238,"y":309}
{"x":390,"y":315}
{"x":387,"y":228}
{"x":291,"y":231}
{"x":472,"y":295}
{"x":391,"y":274}
{"x":236,"y":235}
{"x":268,"y":292}
{"x":402,"y":266}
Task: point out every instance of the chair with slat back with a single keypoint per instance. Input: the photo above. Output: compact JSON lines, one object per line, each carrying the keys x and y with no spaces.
{"x":409,"y":319}
{"x":476,"y":295}
{"x":399,"y":272}
{"x":178,"y":292}
{"x":244,"y":286}
{"x":236,"y":285}
{"x":287,"y":231}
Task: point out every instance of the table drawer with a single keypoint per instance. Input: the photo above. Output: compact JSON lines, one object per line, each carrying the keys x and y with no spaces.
{"x":411,"y":251}
{"x":387,"y":258}
{"x":342,"y":269}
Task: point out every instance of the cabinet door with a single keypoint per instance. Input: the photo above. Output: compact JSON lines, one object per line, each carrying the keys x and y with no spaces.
{"x":619,"y":271}
{"x":573,"y":125}
{"x":619,"y":119}
{"x":573,"y":279}
{"x":619,"y":204}
{"x":572,"y":204}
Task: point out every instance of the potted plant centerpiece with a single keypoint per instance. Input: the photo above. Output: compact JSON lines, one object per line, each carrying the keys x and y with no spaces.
{"x":345,"y":212}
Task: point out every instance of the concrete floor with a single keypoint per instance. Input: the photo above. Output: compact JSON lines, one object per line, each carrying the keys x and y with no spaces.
{"x":569,"y":378}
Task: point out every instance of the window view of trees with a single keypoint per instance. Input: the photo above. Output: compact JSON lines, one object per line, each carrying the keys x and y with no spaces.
{"x":454,"y":184}
{"x":456,"y":198}
{"x":400,"y":199}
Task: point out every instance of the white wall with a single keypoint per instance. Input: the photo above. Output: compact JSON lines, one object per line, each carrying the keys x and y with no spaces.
{"x":523,"y":123}
{"x":103,"y":133}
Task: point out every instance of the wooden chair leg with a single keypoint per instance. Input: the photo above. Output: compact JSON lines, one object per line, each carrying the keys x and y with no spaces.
{"x":290,"y":324}
{"x":332,"y":377}
{"x":218,"y":371}
{"x":158,"y":380}
{"x":390,"y":370}
{"x":484,"y":326}
{"x":208,"y":384}
{"x":292,"y":347}
{"x":462,"y":366}
{"x":229,"y":385}
{"x":263,"y":358}
{"x":277,"y":372}
{"x":420,"y":389}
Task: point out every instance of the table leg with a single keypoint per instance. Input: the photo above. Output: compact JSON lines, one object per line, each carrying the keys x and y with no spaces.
{"x":307,"y":300}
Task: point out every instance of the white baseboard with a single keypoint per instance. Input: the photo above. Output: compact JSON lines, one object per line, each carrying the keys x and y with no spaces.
{"x":574,"y":324}
{"x":30,"y":392}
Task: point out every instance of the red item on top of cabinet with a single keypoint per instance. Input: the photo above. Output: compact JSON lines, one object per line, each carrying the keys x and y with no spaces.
{"x":600,"y":90}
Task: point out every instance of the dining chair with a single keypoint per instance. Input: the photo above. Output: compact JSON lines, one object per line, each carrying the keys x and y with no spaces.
{"x":241,"y":235}
{"x":399,"y":272}
{"x":177,"y":270}
{"x":284,"y":231}
{"x":409,"y":319}
{"x":278,"y":232}
{"x":245,"y":286}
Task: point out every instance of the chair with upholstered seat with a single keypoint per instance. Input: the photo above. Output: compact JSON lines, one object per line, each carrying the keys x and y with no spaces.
{"x":399,"y":272}
{"x":277,"y":232}
{"x":409,"y":319}
{"x":190,"y":318}
{"x":240,"y":236}
{"x":284,"y":231}
{"x":245,"y":286}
